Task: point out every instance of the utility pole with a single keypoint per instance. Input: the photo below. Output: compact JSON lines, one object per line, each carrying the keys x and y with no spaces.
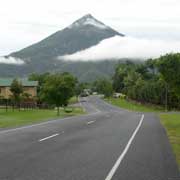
{"x":166,"y":97}
{"x":6,"y":105}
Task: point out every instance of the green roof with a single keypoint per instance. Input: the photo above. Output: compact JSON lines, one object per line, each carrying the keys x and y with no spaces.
{"x":25,"y":82}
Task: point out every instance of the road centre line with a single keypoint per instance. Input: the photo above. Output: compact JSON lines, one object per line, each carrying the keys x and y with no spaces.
{"x":54,"y":135}
{"x":123,"y":154}
{"x":90,"y":122}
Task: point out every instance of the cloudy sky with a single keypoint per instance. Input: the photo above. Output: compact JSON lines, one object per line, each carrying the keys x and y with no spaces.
{"x":26,"y":22}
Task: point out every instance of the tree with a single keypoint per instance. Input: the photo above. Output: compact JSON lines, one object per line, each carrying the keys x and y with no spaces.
{"x":41,"y":78}
{"x":58,"y":89}
{"x":169,"y":67}
{"x":104,"y":86}
{"x":79,"y":88}
{"x":16,"y":89}
{"x":155,"y":81}
{"x":131,"y":82}
{"x":26,"y":96}
{"x":121,"y":72}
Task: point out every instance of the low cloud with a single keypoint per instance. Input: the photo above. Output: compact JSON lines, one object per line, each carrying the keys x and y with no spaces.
{"x":11,"y":60}
{"x":125,"y":47}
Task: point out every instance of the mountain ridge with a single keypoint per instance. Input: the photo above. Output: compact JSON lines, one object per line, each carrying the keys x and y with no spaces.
{"x":69,"y":40}
{"x":42,"y":56}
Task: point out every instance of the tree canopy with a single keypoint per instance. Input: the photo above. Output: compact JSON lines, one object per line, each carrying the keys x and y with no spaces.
{"x":16,"y":89}
{"x":58,"y":89}
{"x":169,"y":67}
{"x":152,"y":81}
{"x":103,"y":86}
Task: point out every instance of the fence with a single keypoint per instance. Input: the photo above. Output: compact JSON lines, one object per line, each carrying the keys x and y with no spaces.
{"x":8,"y":104}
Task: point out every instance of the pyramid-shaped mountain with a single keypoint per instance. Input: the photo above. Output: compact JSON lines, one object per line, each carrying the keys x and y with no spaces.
{"x":82,"y":34}
{"x":42,"y":56}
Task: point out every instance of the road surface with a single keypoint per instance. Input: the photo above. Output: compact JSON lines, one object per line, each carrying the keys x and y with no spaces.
{"x":108,"y":143}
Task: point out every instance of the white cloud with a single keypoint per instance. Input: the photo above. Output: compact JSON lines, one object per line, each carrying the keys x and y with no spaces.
{"x":125,"y":47}
{"x":11,"y":60}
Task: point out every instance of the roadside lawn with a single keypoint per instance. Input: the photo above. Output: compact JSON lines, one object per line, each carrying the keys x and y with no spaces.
{"x":73,"y":100}
{"x":133,"y":106}
{"x":26,"y":117}
{"x":171,"y":123}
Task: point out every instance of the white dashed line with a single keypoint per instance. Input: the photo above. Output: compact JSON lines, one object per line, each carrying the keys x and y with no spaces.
{"x":90,"y":122}
{"x":48,"y":137}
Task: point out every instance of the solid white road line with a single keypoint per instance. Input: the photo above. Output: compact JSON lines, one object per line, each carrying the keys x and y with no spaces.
{"x":48,"y":137}
{"x":90,"y":122}
{"x":119,"y":160}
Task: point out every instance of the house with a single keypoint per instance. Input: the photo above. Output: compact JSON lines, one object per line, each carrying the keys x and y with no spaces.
{"x":29,"y":87}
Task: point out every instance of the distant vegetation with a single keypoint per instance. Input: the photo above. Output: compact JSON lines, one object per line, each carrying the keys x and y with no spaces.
{"x":84,"y":71}
{"x":103,"y":86}
{"x":155,"y":82}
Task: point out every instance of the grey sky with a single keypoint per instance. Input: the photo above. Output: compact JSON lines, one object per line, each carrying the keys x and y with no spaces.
{"x":26,"y":22}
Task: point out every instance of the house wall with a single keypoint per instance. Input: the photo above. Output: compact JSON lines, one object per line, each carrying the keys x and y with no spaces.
{"x":5,"y":92}
{"x":30,"y":90}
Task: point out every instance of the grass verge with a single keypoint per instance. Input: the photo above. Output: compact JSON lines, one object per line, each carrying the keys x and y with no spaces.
{"x":133,"y":106}
{"x":26,"y":117}
{"x":171,"y":123}
{"x":73,"y":100}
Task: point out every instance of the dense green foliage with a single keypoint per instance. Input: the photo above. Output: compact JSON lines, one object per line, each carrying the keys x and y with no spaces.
{"x":169,"y":67}
{"x":58,"y":89}
{"x":80,"y":88}
{"x":16,"y":89}
{"x":103,"y":86}
{"x":41,"y":78}
{"x":87,"y":71}
{"x":151,"y":82}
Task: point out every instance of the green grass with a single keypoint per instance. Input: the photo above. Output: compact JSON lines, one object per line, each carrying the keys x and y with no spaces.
{"x":133,"y":106}
{"x":26,"y":117}
{"x":73,"y":100}
{"x":172,"y":124}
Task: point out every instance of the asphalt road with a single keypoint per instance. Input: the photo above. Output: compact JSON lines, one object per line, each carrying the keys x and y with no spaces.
{"x":108,"y":143}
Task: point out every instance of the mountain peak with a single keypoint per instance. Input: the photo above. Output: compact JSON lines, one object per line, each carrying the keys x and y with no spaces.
{"x":88,"y":16}
{"x":88,"y":19}
{"x":43,"y":56}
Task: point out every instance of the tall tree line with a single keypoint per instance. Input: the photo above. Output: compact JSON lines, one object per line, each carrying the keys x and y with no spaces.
{"x":156,"y":81}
